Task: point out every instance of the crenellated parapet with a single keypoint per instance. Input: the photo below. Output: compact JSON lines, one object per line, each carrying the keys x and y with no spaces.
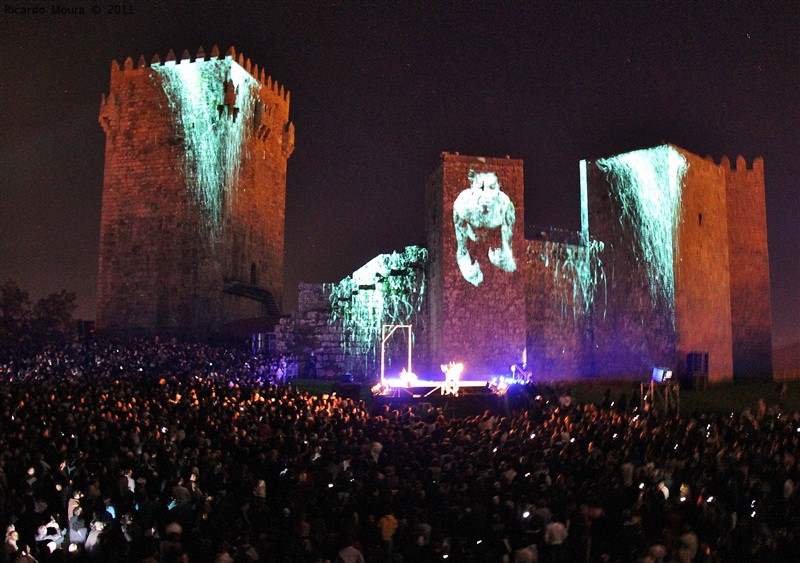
{"x":253,"y":70}
{"x":270,"y":110}
{"x":757,"y":166}
{"x":287,"y":141}
{"x":108,"y":112}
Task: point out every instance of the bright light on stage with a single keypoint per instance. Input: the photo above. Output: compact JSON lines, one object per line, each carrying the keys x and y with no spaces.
{"x":452,"y":375}
{"x":409,"y":385}
{"x":407,"y":377}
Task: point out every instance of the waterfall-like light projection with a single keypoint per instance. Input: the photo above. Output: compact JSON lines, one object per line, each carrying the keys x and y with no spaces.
{"x":578,"y":276}
{"x":389,"y":289}
{"x":214,"y":129}
{"x":647,"y":184}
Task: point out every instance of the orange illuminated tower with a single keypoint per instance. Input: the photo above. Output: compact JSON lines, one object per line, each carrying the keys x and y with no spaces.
{"x":194,"y":193}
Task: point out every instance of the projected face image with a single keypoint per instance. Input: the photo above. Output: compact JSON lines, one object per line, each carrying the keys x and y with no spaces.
{"x":477,"y":211}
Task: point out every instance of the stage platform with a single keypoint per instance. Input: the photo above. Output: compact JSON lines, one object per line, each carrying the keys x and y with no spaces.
{"x":420,"y":388}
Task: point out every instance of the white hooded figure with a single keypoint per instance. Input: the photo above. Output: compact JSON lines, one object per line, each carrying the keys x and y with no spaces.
{"x":480,"y":207}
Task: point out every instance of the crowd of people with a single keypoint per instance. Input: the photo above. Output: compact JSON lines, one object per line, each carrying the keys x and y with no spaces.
{"x":158,"y":451}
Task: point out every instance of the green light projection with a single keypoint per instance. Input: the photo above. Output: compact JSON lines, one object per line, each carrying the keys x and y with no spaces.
{"x":213,"y":126}
{"x":389,"y":289}
{"x":584,"y":202}
{"x":578,"y":276}
{"x":647,"y":184}
{"x":477,"y":209}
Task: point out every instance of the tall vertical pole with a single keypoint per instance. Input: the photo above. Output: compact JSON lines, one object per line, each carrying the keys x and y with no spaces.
{"x":383,"y":353}
{"x":409,"y":350}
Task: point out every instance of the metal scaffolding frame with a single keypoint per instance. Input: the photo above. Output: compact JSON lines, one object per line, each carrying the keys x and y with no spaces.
{"x":666,"y":395}
{"x":385,"y":338}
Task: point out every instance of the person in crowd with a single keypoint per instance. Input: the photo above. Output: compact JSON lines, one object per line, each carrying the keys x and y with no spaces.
{"x":157,"y":450}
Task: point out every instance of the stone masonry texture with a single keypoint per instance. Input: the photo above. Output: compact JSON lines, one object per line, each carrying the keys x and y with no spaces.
{"x":160,"y":271}
{"x":751,"y":310}
{"x":580,"y":304}
{"x":482,"y":326}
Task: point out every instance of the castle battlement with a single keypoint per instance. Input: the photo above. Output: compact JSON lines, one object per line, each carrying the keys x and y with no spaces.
{"x":271,"y":113}
{"x":741,"y":164}
{"x":257,"y":73}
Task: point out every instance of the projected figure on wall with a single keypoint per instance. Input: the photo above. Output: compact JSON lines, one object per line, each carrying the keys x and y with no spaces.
{"x":478,"y":209}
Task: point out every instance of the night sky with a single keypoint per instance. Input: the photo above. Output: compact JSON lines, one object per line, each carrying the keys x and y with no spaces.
{"x":380,"y":90}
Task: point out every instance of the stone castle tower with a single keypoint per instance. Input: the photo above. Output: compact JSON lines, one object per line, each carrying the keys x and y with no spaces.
{"x":671,"y":263}
{"x":476,"y":285}
{"x":194,"y":193}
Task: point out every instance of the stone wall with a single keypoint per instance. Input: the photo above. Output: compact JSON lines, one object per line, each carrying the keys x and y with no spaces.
{"x":636,"y":332}
{"x":434,"y":217}
{"x":311,"y":329}
{"x":718,"y":264}
{"x":751,"y":309}
{"x":611,"y":301}
{"x":482,"y":325}
{"x":560,"y":305}
{"x":330,"y":320}
{"x":702,"y":280}
{"x":145,"y":259}
{"x":174,"y":260}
